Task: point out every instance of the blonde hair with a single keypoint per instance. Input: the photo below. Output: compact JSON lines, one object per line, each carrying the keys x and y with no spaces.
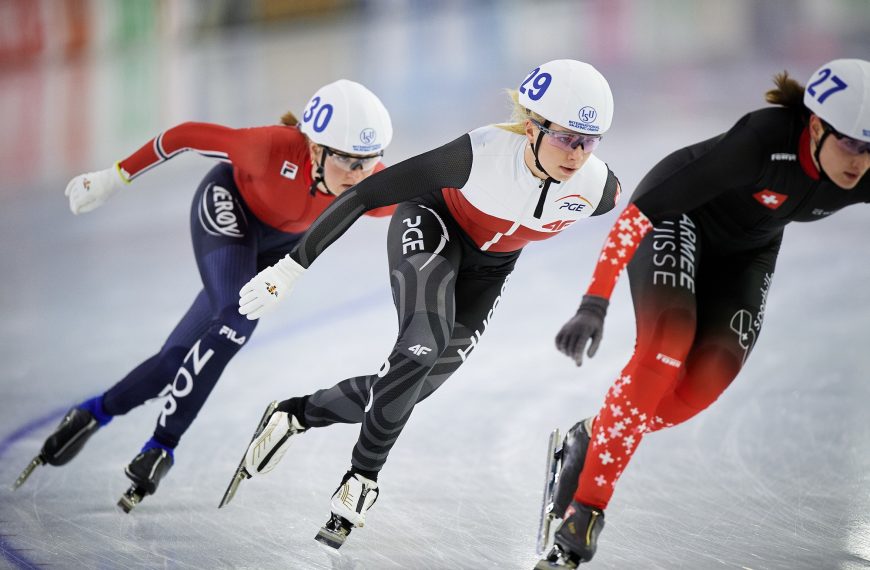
{"x":788,"y":92}
{"x":519,"y":115}
{"x":289,"y":119}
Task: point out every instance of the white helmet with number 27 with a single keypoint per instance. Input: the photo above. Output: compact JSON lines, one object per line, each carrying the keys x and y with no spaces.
{"x":839,"y":94}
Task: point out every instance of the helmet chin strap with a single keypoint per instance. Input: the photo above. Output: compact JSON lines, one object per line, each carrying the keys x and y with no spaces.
{"x":318,"y":175}
{"x":822,"y":174}
{"x":545,"y":185}
{"x":536,"y":147}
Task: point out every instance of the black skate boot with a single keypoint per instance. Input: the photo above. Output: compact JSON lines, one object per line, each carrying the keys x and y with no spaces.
{"x":574,"y":450}
{"x":354,"y":497}
{"x":564,"y":465}
{"x":576,"y":539}
{"x":146,"y":471}
{"x":70,"y":436}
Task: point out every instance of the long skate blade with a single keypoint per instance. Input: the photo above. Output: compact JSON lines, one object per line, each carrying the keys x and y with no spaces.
{"x":241,"y":473}
{"x":554,"y":454}
{"x":237,"y":479}
{"x":334,"y":532}
{"x":331,"y":538}
{"x":556,"y":559}
{"x":131,"y":498}
{"x":545,"y":564}
{"x":37,"y":461}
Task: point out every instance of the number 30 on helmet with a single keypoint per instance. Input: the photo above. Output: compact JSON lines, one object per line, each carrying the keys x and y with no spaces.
{"x":347,"y":117}
{"x":569,"y":93}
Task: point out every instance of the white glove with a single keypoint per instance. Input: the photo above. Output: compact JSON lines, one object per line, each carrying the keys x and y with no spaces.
{"x":261,"y":294}
{"x":88,"y":191}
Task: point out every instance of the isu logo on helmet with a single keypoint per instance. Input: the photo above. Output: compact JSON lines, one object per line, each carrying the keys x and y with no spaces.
{"x":368,"y":136}
{"x":587,"y":114}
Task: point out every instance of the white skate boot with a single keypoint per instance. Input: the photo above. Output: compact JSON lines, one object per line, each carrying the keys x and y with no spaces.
{"x":269,"y":447}
{"x":269,"y":444}
{"x":350,"y":502}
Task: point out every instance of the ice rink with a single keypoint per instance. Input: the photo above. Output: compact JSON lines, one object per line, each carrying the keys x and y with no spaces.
{"x":775,"y":475}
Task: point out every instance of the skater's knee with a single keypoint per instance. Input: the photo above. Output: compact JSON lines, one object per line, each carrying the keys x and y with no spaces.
{"x":232,"y":328}
{"x":710,"y":370}
{"x":424,"y":338}
{"x":663,"y":354}
{"x":670,"y":330}
{"x":659,"y":365}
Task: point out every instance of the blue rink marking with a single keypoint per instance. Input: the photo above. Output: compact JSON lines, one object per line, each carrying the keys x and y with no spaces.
{"x":323,"y":318}
{"x":10,"y":553}
{"x":25,"y":430}
{"x":18,"y":560}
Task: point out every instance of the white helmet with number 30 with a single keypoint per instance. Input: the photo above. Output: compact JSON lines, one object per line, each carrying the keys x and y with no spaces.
{"x":347,"y":117}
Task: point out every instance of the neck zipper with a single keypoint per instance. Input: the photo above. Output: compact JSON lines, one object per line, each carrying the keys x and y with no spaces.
{"x":544,"y":186}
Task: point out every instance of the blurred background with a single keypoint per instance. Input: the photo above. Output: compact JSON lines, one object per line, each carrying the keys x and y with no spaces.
{"x":775,"y":475}
{"x":84,"y":80}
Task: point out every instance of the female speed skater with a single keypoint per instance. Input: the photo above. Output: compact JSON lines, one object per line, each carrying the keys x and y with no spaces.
{"x":702,"y":232}
{"x":249,"y":211}
{"x":467,"y":210}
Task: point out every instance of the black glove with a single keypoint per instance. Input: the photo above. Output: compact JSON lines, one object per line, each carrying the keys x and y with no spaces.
{"x":587,"y":324}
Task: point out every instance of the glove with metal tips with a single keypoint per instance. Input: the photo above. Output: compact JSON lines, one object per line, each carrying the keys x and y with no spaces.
{"x":262,"y":294}
{"x":587,"y":325}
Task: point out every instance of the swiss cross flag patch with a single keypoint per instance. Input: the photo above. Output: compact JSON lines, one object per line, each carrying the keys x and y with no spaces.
{"x":770,"y":199}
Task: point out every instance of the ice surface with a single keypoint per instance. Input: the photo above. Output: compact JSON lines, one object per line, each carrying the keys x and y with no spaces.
{"x":775,"y":475}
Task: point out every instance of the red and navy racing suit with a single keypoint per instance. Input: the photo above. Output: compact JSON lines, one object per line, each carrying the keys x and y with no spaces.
{"x":246,"y":214}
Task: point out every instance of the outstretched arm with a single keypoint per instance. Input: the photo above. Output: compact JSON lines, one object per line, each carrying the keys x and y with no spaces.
{"x":680,"y":183}
{"x":620,"y":246}
{"x":206,"y":139}
{"x":448,"y":166}
{"x":244,"y":147}
{"x":587,"y":325}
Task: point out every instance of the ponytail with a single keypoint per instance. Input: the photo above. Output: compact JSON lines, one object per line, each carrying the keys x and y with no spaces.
{"x":289,"y":119}
{"x":519,"y":114}
{"x":788,"y":92}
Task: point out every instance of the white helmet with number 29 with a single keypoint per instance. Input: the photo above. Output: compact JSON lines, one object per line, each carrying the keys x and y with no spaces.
{"x":570,"y":93}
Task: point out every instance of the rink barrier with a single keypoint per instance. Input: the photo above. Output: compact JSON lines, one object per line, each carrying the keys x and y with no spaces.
{"x":64,"y":29}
